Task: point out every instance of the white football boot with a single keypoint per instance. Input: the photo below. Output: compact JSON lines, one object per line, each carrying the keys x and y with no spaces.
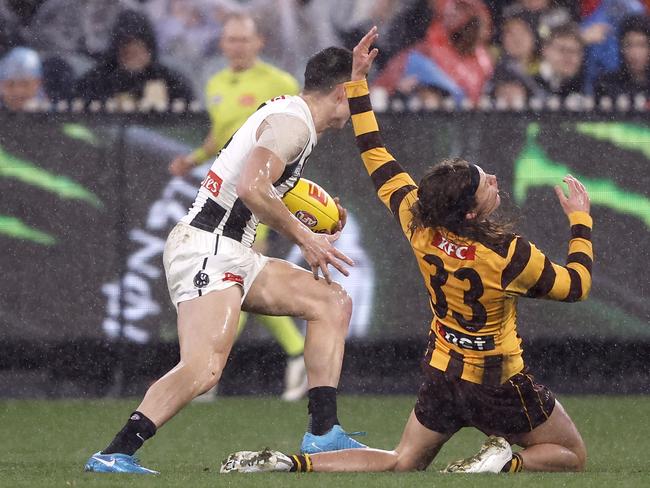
{"x":256,"y":462}
{"x":295,"y":379}
{"x":491,"y":458}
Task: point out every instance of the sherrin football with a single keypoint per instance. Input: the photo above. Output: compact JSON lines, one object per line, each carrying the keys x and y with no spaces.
{"x":312,"y":206}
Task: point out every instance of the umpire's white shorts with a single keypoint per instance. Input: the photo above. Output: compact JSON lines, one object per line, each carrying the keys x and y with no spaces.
{"x":198,"y":262}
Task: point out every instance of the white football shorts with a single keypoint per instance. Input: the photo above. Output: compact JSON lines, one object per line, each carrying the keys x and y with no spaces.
{"x":198,"y":262}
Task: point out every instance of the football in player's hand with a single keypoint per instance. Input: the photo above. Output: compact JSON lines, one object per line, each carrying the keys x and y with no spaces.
{"x":312,"y":206}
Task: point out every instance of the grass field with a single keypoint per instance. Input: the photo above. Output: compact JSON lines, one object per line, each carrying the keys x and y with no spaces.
{"x":45,"y":443}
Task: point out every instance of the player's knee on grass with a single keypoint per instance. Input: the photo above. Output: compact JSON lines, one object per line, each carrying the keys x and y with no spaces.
{"x":580,"y":450}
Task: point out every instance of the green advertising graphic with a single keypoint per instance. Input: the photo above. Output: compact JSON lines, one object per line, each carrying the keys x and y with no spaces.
{"x":12,"y":167}
{"x":533,"y":168}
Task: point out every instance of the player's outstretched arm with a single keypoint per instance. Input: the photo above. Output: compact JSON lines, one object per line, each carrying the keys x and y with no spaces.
{"x":532,"y":274}
{"x":265,"y":166}
{"x":394,"y":186}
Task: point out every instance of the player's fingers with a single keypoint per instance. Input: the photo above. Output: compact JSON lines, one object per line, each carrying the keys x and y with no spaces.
{"x":560,"y":195}
{"x":326,"y":271}
{"x":341,"y":269}
{"x":342,"y":256}
{"x":369,"y":38}
{"x":314,"y":270}
{"x":373,"y":55}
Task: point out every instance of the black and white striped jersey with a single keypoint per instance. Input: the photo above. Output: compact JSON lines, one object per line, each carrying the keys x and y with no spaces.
{"x":217,"y":207}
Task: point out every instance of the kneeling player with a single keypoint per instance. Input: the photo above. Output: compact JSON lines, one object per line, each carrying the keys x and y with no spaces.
{"x":474,"y":271}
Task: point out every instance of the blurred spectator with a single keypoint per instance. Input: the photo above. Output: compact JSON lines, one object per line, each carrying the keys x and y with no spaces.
{"x":351,"y":20}
{"x":518,"y":44}
{"x":186,"y":31}
{"x":69,"y":27}
{"x":543,"y":15}
{"x":452,"y":57}
{"x":293,"y":30}
{"x":408,"y":26}
{"x":634,"y":75}
{"x":518,"y":64}
{"x":600,"y":33}
{"x":21,"y":80}
{"x":560,"y":72}
{"x":508,"y":90}
{"x":129,"y":71}
{"x":234,"y":93}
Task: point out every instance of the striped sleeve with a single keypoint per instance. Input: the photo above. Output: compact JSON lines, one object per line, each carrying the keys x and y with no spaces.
{"x":394,"y":186}
{"x":529,"y":273}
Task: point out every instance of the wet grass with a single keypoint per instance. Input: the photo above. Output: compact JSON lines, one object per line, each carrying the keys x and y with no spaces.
{"x":45,"y":443}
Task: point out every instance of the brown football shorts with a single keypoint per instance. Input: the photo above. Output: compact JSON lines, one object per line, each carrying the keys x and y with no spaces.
{"x":445,"y":404}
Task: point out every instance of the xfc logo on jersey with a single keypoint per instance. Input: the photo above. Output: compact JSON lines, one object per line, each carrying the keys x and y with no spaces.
{"x":452,"y":249}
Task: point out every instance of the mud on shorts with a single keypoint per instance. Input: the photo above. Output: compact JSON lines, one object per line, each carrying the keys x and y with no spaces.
{"x":198,"y":262}
{"x":445,"y":404}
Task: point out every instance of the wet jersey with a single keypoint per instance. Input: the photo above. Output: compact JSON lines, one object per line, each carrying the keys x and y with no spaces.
{"x":473,"y":287}
{"x":217,"y":207}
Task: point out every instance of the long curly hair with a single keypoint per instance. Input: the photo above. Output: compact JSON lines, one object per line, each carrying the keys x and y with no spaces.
{"x":445,"y":199}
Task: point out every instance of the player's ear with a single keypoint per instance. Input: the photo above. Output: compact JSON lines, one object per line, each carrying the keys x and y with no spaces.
{"x":340,"y":93}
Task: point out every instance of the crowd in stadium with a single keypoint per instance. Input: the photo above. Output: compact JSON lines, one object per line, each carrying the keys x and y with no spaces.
{"x":468,"y":51}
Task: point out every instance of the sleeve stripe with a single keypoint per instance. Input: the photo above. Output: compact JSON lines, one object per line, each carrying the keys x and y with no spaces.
{"x":397,"y":197}
{"x":575,"y":289}
{"x":368,"y":141}
{"x":580,"y":231}
{"x":580,"y":258}
{"x":360,"y":104}
{"x":545,"y":282}
{"x":517,"y":263}
{"x":385,"y":172}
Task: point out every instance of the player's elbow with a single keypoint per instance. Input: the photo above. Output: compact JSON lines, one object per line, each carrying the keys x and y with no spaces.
{"x":248,"y":192}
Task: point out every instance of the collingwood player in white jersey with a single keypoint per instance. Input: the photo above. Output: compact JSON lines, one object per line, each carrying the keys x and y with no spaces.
{"x":213,"y":274}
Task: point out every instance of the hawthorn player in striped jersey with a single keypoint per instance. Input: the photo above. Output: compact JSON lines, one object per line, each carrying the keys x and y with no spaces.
{"x":474,"y":271}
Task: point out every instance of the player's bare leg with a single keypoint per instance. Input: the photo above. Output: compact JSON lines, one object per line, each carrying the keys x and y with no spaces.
{"x":282,"y":288}
{"x":207,"y":327}
{"x":206,"y":331}
{"x":417,"y":448}
{"x":556,"y":445}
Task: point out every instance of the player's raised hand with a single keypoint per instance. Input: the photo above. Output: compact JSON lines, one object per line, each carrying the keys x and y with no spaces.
{"x":343,"y":215}
{"x":578,"y":199}
{"x":319,"y":252}
{"x":363,"y":56}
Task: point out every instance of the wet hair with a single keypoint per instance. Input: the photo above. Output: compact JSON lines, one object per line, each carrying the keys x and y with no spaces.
{"x":446,"y":194}
{"x":328,"y":68}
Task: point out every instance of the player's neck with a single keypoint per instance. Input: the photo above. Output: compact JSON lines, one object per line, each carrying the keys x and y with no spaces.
{"x":319,"y":112}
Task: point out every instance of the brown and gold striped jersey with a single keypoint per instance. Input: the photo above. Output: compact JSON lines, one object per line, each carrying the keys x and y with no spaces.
{"x":473,"y":287}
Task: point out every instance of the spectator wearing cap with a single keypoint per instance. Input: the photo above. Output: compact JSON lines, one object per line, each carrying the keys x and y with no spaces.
{"x":561,"y":68}
{"x":633,"y":77}
{"x":129,"y":71}
{"x":21,"y":79}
